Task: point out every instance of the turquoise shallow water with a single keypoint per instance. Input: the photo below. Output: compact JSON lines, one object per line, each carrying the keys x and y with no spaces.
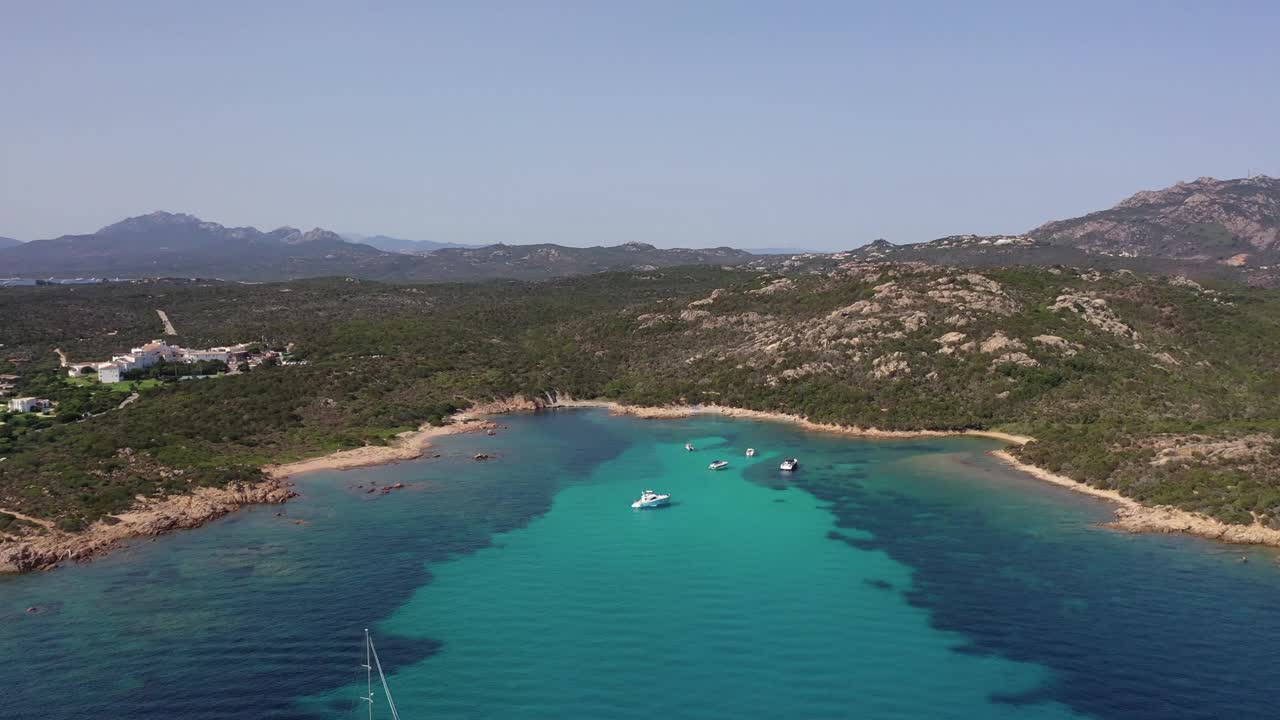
{"x":902,"y":579}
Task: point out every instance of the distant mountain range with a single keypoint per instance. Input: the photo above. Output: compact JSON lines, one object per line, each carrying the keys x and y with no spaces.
{"x":400,"y":245}
{"x":1207,"y":228}
{"x":164,"y":244}
{"x":533,"y":262}
{"x":8,"y":242}
{"x":173,"y":245}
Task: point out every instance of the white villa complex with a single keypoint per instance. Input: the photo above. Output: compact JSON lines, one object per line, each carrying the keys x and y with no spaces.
{"x":153,"y":352}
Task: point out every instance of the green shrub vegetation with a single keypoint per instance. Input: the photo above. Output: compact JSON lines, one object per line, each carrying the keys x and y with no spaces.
{"x":378,"y":359}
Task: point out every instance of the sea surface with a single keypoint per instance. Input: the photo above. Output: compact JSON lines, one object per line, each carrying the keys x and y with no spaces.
{"x":885,"y":579}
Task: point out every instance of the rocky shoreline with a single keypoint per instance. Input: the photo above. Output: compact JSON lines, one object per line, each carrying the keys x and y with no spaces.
{"x":180,"y":512}
{"x":46,"y":552}
{"x":1132,"y":516}
{"x":184,"y":512}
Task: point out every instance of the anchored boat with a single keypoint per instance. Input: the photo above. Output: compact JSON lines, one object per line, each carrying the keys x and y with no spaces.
{"x":719,"y":465}
{"x":790,"y":464}
{"x":751,"y":452}
{"x":651,"y":499}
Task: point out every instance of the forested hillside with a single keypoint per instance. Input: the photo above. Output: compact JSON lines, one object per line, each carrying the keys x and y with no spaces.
{"x":1160,"y":388}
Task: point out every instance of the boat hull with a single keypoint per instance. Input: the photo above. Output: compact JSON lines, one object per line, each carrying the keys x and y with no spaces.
{"x":649,"y":505}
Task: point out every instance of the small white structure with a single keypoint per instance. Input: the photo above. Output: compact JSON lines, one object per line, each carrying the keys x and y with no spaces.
{"x":109,"y":373}
{"x":28,"y":404}
{"x":222,"y":354}
{"x":153,"y":352}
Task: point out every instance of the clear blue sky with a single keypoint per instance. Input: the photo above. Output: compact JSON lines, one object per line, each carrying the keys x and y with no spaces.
{"x":806,"y":124}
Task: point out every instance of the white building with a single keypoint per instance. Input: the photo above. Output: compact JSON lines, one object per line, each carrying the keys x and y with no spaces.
{"x":109,"y":373}
{"x":153,"y":352}
{"x":222,"y":354}
{"x":28,"y":404}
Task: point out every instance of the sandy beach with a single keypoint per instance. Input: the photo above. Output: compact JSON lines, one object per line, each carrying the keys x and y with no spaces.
{"x":186,"y":511}
{"x":679,"y":411}
{"x":407,"y":446}
{"x":1131,"y":516}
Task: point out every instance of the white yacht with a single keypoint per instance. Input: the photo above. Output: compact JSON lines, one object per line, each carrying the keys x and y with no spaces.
{"x":790,"y":464}
{"x":650,"y":499}
{"x":688,"y":446}
{"x":751,"y":452}
{"x":719,"y":465}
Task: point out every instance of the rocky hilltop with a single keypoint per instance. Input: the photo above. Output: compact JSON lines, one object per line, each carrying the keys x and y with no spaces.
{"x":1128,"y":382}
{"x":1208,"y":229}
{"x":1234,"y":222}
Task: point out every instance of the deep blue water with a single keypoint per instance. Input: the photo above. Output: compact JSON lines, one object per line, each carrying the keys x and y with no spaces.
{"x":904,"y":579}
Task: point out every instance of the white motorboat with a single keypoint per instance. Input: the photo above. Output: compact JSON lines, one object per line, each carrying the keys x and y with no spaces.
{"x":751,"y":452}
{"x":790,"y":464}
{"x":650,"y":499}
{"x":688,"y":446}
{"x":719,"y":465}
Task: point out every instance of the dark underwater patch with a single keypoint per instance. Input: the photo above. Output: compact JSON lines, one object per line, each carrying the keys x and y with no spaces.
{"x":301,"y":637}
{"x":1108,"y":648}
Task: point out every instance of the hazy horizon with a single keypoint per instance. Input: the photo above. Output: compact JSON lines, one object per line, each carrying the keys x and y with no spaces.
{"x":754,"y":125}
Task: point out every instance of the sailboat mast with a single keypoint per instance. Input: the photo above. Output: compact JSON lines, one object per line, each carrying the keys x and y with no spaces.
{"x":368,"y":672}
{"x":386,"y":689}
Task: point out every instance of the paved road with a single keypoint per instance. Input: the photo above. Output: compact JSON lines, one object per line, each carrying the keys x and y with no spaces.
{"x":168,"y":326}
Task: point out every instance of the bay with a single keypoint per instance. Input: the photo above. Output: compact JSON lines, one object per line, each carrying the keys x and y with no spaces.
{"x":885,"y":579}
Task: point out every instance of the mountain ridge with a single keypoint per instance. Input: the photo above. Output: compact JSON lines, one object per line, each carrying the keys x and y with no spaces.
{"x":387,"y":243}
{"x":167,"y":244}
{"x":1229,"y":221}
{"x":1205,"y":228}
